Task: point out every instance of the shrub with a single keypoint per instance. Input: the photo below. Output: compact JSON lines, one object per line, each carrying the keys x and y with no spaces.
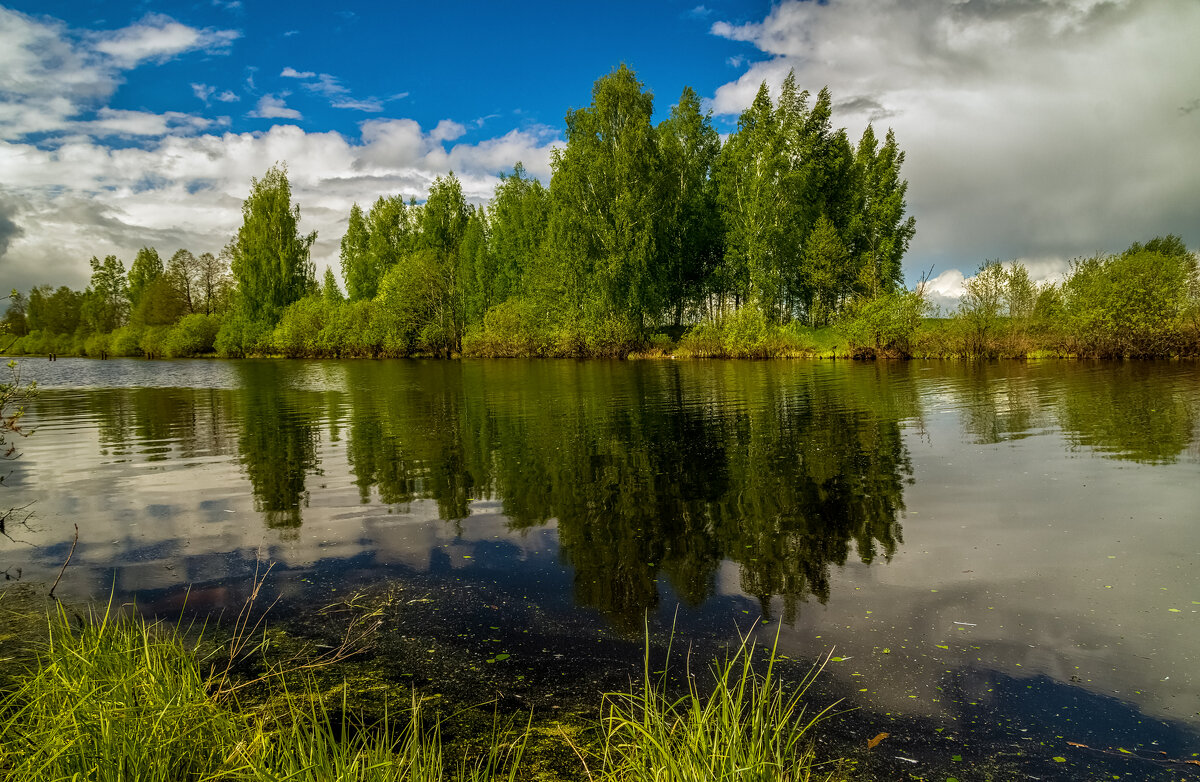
{"x":193,"y":335}
{"x":885,"y":326}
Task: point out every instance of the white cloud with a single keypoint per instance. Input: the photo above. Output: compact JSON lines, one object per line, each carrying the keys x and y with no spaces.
{"x":203,"y":91}
{"x":1041,"y":129}
{"x":228,"y":97}
{"x":50,"y":77}
{"x":274,"y":107}
{"x":327,"y":85}
{"x":447,"y":130}
{"x":371,"y":105}
{"x":159,"y":37}
{"x":291,"y":73}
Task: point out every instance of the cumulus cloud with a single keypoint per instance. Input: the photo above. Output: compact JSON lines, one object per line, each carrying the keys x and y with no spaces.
{"x":1043,"y":129}
{"x":291,"y":73}
{"x":274,"y":107}
{"x":52,"y":78}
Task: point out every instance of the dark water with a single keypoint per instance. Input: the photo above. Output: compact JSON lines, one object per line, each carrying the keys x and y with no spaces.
{"x":1005,"y":558}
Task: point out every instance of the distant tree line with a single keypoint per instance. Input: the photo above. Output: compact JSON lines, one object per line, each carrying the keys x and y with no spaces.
{"x":650,"y":238}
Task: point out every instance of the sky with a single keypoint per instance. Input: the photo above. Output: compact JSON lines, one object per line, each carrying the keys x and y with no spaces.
{"x":1034,"y":130}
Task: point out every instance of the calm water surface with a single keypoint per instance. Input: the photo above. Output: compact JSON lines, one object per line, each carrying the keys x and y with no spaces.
{"x":1005,"y":558}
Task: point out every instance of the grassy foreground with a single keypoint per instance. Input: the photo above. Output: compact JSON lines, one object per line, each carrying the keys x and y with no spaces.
{"x":115,"y":697}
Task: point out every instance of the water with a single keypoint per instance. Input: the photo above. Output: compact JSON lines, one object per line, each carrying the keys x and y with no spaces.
{"x":1005,"y":558}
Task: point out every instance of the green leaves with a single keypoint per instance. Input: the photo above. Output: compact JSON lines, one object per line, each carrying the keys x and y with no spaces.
{"x":270,"y":259}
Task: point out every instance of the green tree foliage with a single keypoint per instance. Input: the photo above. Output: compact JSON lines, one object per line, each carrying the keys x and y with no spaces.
{"x":517,"y":221}
{"x":147,"y":267}
{"x":268,"y":256}
{"x":54,"y":311}
{"x":691,"y":243}
{"x":214,"y":283}
{"x":882,"y":233}
{"x":356,"y":257}
{"x":106,"y":300}
{"x":15,"y":322}
{"x":477,"y":270}
{"x":329,"y":288}
{"x":1134,"y":304}
{"x":608,"y":207}
{"x":184,"y":270}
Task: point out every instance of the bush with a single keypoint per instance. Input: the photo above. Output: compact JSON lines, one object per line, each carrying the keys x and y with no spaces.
{"x":886,"y":326}
{"x":745,"y":333}
{"x":126,"y":341}
{"x":193,"y":335}
{"x":1132,"y":305}
{"x":510,"y":330}
{"x":240,"y":337}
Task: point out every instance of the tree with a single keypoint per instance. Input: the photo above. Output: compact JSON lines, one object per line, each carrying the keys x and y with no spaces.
{"x":214,"y":283}
{"x":183,"y":271}
{"x":518,"y":218}
{"x":329,"y":289}
{"x":608,"y":207}
{"x":15,"y":322}
{"x":749,"y":172}
{"x":355,"y":257}
{"x":147,"y":266}
{"x":54,"y":311}
{"x":883,"y":232}
{"x":106,"y":300}
{"x":825,"y":257}
{"x":268,"y":256}
{"x":692,"y":237}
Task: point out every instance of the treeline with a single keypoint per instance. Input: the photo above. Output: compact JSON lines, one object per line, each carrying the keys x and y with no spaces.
{"x":653,"y":239}
{"x":1141,"y":303}
{"x":643,"y":228}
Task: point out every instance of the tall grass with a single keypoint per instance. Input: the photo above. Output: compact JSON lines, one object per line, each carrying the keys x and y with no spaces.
{"x":749,"y":726}
{"x":114,"y":697}
{"x":118,"y":698}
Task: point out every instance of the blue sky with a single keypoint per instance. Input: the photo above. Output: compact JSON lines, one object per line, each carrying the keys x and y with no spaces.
{"x":491,"y":66}
{"x":1040,"y":130}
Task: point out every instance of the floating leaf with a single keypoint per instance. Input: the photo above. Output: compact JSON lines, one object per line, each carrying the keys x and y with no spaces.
{"x":502,"y":657}
{"x":873,"y":743}
{"x":956,"y":758}
{"x":1059,"y":759}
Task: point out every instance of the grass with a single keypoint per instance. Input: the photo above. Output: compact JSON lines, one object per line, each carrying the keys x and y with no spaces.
{"x":748,"y":726}
{"x":115,"y":697}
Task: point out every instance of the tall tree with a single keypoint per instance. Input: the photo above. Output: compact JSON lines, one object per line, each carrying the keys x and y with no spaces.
{"x":183,"y":271}
{"x":106,"y":300}
{"x":607,"y":214}
{"x":883,"y":233}
{"x":54,"y":311}
{"x":477,"y":272}
{"x":15,"y":322}
{"x":147,"y":266}
{"x":214,"y":282}
{"x":749,"y":172}
{"x":517,"y":229}
{"x":269,"y":256}
{"x":329,"y":289}
{"x":355,"y":257}
{"x":692,"y":237}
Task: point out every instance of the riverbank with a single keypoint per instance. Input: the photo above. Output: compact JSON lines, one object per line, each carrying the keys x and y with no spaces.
{"x":110,"y":695}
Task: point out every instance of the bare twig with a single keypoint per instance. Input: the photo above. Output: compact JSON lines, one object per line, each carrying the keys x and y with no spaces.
{"x":70,"y":554}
